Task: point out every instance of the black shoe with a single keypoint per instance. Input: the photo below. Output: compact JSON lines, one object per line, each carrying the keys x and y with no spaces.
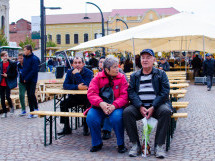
{"x":65,"y":132}
{"x":86,"y":132}
{"x":96,"y":148}
{"x":106,"y":135}
{"x":122,"y":148}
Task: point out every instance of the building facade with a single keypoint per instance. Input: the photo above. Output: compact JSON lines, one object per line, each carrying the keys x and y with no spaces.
{"x":70,"y":30}
{"x":4,"y":18}
{"x":20,"y":30}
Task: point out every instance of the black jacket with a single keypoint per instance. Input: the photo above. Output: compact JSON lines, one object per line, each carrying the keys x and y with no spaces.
{"x":208,"y":67}
{"x":11,"y":79}
{"x":160,"y":84}
{"x":30,"y":68}
{"x":165,"y":66}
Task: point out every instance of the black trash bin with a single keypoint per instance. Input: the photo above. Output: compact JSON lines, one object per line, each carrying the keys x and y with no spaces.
{"x":59,"y":72}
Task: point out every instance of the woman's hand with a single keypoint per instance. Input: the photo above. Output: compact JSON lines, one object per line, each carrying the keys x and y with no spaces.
{"x":111,"y":108}
{"x":104,"y":107}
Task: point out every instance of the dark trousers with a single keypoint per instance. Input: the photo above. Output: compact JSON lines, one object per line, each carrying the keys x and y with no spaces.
{"x":196,"y":72}
{"x":32,"y":100}
{"x":5,"y":91}
{"x":71,"y":101}
{"x":162,"y":114}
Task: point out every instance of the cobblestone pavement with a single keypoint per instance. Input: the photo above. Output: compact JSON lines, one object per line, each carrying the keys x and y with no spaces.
{"x":22,"y":139}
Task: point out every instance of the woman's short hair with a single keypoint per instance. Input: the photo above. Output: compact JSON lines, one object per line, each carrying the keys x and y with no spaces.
{"x":109,"y":61}
{"x":3,"y":53}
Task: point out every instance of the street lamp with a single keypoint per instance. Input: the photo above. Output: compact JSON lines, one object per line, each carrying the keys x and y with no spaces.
{"x":122,"y":21}
{"x":43,"y":32}
{"x":103,"y":29}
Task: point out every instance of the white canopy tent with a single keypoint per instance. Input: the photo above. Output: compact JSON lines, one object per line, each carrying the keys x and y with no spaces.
{"x":182,"y":31}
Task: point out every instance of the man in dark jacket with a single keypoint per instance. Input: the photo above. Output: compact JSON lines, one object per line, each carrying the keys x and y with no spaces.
{"x":208,"y":70}
{"x":76,"y":79}
{"x":93,"y":62}
{"x":196,"y":64}
{"x":164,"y":65}
{"x":149,"y":96}
{"x":30,"y":75}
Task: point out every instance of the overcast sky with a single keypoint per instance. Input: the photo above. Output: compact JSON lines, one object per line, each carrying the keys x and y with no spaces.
{"x":27,"y":8}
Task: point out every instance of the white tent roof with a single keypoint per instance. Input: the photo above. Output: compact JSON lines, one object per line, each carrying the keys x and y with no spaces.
{"x":182,"y":31}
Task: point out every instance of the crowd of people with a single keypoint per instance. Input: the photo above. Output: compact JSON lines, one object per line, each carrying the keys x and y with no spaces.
{"x":26,"y":69}
{"x":111,"y":101}
{"x":107,"y":101}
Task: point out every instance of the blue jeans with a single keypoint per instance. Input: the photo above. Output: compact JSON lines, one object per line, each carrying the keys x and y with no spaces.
{"x":107,"y":125}
{"x":95,"y":118}
{"x":209,"y":81}
{"x":50,"y":67}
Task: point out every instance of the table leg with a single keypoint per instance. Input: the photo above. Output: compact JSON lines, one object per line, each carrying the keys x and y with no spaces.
{"x":55,"y":122}
{"x":50,"y":130}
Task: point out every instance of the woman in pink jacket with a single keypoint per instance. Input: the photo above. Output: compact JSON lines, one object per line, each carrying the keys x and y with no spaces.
{"x":111,"y":77}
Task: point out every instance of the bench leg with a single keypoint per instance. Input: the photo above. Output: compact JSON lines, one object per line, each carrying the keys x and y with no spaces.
{"x":55,"y":118}
{"x":44,"y":130}
{"x":50,"y":141}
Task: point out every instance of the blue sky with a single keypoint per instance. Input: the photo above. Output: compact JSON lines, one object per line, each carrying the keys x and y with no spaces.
{"x":27,"y":8}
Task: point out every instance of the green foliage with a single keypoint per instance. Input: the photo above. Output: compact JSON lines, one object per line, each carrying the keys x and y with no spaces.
{"x":3,"y":40}
{"x":51,"y":44}
{"x":28,"y":41}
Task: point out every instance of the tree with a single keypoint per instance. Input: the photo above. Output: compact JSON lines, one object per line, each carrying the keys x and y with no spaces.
{"x":28,"y":41}
{"x":51,"y":44}
{"x":3,"y":40}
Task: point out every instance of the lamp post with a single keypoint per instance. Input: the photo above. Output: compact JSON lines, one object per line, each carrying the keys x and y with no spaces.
{"x":43,"y":32}
{"x":103,"y":29}
{"x":122,"y":21}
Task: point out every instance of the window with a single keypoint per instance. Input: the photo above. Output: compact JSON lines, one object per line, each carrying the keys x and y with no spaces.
{"x":75,"y":38}
{"x":58,"y":39}
{"x":95,"y":35}
{"x":67,"y":39}
{"x":85,"y":37}
{"x":50,"y":37}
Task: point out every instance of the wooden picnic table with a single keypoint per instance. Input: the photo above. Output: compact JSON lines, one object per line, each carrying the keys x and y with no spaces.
{"x":176,"y":77}
{"x":177,"y":81}
{"x":180,"y":85}
{"x":63,"y":91}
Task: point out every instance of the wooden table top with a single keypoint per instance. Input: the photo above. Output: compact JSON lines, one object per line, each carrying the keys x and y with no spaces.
{"x":178,"y":91}
{"x":62,"y":91}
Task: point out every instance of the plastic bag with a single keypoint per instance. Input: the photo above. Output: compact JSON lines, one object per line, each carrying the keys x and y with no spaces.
{"x":148,"y":126}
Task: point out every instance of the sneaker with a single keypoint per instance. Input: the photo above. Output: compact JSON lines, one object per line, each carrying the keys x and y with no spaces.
{"x":4,"y":115}
{"x":122,"y":148}
{"x":35,"y":116}
{"x":23,"y":113}
{"x":96,"y":148}
{"x":30,"y":116}
{"x":209,"y":89}
{"x":135,"y":150}
{"x":160,"y":152}
{"x":12,"y":110}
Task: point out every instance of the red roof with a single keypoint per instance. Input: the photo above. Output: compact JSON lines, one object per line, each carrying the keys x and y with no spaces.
{"x":96,"y":17}
{"x":76,"y":18}
{"x":141,"y":12}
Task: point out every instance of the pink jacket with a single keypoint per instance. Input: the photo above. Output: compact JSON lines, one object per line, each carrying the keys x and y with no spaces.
{"x":120,"y":90}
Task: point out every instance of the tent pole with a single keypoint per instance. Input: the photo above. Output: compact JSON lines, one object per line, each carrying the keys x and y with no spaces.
{"x":204,"y":46}
{"x":134,"y":65}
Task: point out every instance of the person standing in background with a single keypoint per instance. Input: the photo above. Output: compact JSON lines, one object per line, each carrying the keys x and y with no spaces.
{"x":22,"y":87}
{"x":30,"y":75}
{"x":8,"y":81}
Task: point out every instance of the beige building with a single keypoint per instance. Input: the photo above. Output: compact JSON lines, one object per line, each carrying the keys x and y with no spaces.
{"x":4,"y":17}
{"x":69,"y":30}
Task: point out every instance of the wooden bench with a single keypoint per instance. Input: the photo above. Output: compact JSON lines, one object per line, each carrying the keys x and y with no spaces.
{"x":49,"y":120}
{"x":178,"y":105}
{"x":172,"y":127}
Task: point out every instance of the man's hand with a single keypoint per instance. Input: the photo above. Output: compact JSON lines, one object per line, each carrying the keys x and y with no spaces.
{"x":75,"y":71}
{"x":143,"y":111}
{"x":4,"y":75}
{"x":104,"y":107}
{"x":82,"y":87}
{"x":161,"y":68}
{"x":149,"y":112}
{"x":111,"y":108}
